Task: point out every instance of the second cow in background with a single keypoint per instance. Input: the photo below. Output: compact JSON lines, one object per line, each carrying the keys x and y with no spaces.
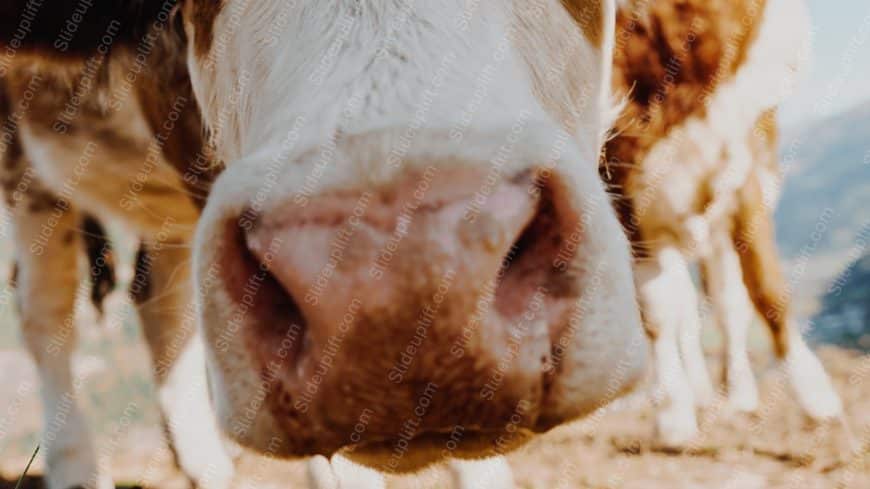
{"x":693,"y":163}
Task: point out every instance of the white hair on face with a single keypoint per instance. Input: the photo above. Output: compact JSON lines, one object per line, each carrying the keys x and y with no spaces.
{"x":317,"y":68}
{"x":352,"y":67}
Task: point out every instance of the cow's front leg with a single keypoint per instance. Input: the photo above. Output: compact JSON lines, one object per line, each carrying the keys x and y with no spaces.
{"x":163,"y":291}
{"x":723,"y":281}
{"x":47,"y":251}
{"x":663,"y":281}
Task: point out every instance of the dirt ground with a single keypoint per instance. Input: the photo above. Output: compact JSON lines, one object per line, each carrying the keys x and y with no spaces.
{"x":775,"y":448}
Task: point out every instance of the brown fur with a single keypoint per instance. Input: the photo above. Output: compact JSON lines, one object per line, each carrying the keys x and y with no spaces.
{"x":754,"y":240}
{"x":588,"y":16}
{"x":670,"y":57}
{"x":202,"y":14}
{"x":165,"y":93}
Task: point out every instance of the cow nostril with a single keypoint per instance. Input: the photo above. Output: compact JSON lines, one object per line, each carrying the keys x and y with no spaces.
{"x":538,"y":264}
{"x":266,"y":316}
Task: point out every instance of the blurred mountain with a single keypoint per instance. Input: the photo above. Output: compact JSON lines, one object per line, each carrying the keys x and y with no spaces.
{"x":823,"y":225}
{"x":827,"y":187}
{"x":845,"y":313}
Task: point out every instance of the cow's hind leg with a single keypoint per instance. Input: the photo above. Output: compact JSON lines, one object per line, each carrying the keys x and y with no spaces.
{"x":733,"y":311}
{"x":691,"y":348}
{"x":163,"y":292}
{"x":753,"y":238}
{"x":47,"y":251}
{"x":663,"y":283}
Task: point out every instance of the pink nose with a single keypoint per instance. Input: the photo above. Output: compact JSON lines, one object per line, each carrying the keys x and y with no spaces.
{"x":376,"y":247}
{"x":444,"y":278}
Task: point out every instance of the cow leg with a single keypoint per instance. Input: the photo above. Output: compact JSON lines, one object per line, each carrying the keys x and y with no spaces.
{"x":163,"y":292}
{"x":663,"y":283}
{"x":47,"y":255}
{"x":753,"y":238}
{"x":691,"y":348}
{"x":723,"y":281}
{"x":341,"y":473}
{"x":486,"y":473}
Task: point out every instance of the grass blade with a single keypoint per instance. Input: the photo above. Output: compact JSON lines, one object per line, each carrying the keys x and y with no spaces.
{"x":24,"y":474}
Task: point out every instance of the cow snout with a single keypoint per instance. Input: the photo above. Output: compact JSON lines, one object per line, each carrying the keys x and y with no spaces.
{"x":381,"y":251}
{"x":445,"y":310}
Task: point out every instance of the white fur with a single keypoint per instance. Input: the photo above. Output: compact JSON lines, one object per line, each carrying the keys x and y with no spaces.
{"x":691,"y":348}
{"x":734,"y":312}
{"x":810,"y":382}
{"x":662,"y":286}
{"x":341,"y":473}
{"x":354,"y":67}
{"x":488,"y":473}
{"x":186,"y":406}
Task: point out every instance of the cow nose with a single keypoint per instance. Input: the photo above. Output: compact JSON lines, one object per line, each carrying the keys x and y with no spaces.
{"x":376,"y":247}
{"x":444,"y":278}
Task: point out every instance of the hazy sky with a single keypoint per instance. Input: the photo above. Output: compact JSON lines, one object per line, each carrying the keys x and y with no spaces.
{"x":840,"y":73}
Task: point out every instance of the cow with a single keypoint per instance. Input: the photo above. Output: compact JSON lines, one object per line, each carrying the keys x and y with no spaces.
{"x":393,"y":238}
{"x":693,"y":163}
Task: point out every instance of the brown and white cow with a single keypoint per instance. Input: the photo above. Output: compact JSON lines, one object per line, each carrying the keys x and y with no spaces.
{"x":408,"y":251}
{"x":694,"y":165}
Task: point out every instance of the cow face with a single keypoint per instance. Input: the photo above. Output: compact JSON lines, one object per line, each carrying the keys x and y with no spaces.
{"x":410,"y":252}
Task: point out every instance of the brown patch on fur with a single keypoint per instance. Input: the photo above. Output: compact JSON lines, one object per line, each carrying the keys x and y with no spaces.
{"x":202,"y":14}
{"x":589,"y":16}
{"x":753,"y":237}
{"x":670,"y":56}
{"x":166,"y":95}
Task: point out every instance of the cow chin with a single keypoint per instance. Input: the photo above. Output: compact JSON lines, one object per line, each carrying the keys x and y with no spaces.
{"x":492,"y":320}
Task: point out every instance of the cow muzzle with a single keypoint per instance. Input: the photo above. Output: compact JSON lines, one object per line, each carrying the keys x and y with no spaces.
{"x":435,"y":314}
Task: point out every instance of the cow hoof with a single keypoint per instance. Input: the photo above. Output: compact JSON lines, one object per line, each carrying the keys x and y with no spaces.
{"x":743,"y":400}
{"x":811,"y":383}
{"x":742,"y":389}
{"x":677,"y":427}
